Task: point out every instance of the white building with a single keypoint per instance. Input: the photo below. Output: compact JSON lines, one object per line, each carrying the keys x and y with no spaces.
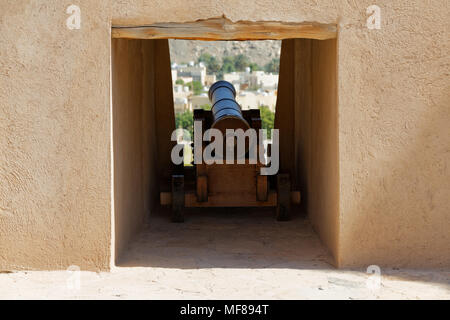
{"x":181,"y":104}
{"x":181,"y":96}
{"x":197,"y":73}
{"x":255,"y":79}
{"x":266,"y":81}
{"x":185,"y":79}
{"x":174,"y":76}
{"x":253,"y":99}
{"x":234,"y":77}
{"x":210,"y":79}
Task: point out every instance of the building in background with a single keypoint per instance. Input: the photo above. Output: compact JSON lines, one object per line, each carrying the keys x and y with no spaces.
{"x":196,"y":72}
{"x":254,"y":89}
{"x":256,"y":99}
{"x":210,"y":79}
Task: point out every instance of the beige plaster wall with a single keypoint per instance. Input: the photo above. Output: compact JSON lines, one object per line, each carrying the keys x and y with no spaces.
{"x":134,"y":138}
{"x":55,"y":169}
{"x":393,"y":115}
{"x":394,"y":138}
{"x":306,"y":115}
{"x":323,"y":162}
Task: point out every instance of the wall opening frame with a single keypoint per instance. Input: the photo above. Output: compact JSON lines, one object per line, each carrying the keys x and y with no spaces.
{"x":142,"y":106}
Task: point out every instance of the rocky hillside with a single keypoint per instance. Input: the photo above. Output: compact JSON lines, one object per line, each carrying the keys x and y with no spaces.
{"x":259,"y":52}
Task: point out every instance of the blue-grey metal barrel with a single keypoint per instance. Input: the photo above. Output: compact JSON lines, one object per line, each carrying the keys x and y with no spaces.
{"x":226,"y":111}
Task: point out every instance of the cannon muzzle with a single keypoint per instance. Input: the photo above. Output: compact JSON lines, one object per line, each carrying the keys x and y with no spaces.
{"x":226,"y":111}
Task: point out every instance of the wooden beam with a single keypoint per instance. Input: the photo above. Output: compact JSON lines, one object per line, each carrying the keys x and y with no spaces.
{"x":225,"y":29}
{"x":225,"y":200}
{"x":166,"y":199}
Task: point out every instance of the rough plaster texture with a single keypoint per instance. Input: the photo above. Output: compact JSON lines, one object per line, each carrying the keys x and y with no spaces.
{"x":135,"y":151}
{"x":316,"y":112}
{"x":55,"y":126}
{"x":54,"y":137}
{"x":306,"y":115}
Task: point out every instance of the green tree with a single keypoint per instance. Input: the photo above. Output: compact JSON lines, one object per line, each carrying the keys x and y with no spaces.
{"x":179,"y":81}
{"x":241,"y":62}
{"x":204,"y":57}
{"x":185,"y":120}
{"x":212,"y":65}
{"x":254,"y":67}
{"x":267,"y":119}
{"x":273,"y":66}
{"x":196,"y":87}
{"x":205,"y":107}
{"x":228,"y":65}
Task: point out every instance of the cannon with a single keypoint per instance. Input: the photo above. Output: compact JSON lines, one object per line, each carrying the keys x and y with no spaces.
{"x":221,"y":183}
{"x":226,"y":112}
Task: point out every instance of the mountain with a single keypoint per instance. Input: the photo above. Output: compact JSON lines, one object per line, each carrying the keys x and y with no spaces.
{"x":259,"y":52}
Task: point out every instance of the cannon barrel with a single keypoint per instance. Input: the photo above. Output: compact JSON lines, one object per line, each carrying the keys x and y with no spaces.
{"x":226,"y":111}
